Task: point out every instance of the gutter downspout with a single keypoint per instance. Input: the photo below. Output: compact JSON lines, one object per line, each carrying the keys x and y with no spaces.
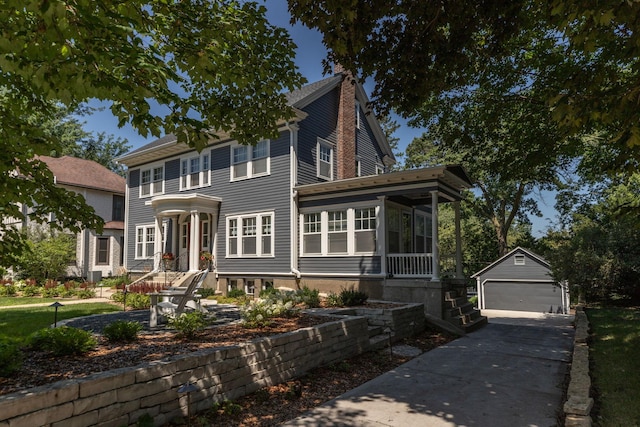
{"x":293,"y":210}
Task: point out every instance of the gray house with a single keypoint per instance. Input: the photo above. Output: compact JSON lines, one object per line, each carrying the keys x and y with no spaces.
{"x":314,"y":207}
{"x":521,"y":281}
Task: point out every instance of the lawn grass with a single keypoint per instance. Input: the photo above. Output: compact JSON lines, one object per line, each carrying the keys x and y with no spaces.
{"x":16,"y":324}
{"x":9,"y":301}
{"x":615,"y":371}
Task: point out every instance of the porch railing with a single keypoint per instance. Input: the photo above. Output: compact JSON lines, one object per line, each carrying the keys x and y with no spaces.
{"x":410,"y":265}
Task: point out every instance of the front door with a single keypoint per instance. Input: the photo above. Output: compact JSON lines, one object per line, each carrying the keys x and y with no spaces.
{"x":203,"y":242}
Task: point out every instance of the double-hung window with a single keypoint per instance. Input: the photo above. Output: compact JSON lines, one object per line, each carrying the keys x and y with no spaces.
{"x":146,"y":240}
{"x":195,"y":172}
{"x":365,"y":230}
{"x":312,"y":233}
{"x":102,"y":251}
{"x":250,"y":235}
{"x":324,"y":160}
{"x":337,"y":231}
{"x":250,"y":161}
{"x":152,"y":181}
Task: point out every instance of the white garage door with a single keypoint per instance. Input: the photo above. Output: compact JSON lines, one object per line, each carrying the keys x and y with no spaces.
{"x":522,"y":296}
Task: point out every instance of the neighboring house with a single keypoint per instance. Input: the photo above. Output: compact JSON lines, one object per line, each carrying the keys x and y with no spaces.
{"x":313,"y":207}
{"x":521,"y":281}
{"x":97,"y":255}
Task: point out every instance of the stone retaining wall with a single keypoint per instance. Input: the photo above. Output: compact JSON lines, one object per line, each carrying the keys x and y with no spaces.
{"x":578,"y":406}
{"x":121,"y":396}
{"x":402,"y":322}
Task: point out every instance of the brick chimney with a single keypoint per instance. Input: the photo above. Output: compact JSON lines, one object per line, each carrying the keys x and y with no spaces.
{"x":346,"y":127}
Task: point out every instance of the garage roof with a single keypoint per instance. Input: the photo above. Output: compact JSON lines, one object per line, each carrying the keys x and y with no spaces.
{"x":518,"y":249}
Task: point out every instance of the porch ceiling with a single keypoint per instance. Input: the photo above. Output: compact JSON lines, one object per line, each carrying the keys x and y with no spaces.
{"x":415,"y":185}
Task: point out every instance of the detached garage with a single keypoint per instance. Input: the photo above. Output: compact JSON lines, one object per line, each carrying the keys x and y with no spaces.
{"x":521,"y":281}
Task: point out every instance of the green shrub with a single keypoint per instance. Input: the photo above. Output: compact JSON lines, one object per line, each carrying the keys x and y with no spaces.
{"x":134,"y":300}
{"x":10,"y":359}
{"x":268,"y":291}
{"x":52,"y":292}
{"x":85,"y":293}
{"x":351,"y":297}
{"x":333,"y":300}
{"x":227,"y":407}
{"x":206,"y":292}
{"x":189,"y":325}
{"x":115,"y":282}
{"x":63,"y":341}
{"x":8,"y":290}
{"x":122,"y":331}
{"x":258,"y":314}
{"x":31,"y":291}
{"x":236,"y":293}
{"x":309,"y":297}
{"x":474,"y":300}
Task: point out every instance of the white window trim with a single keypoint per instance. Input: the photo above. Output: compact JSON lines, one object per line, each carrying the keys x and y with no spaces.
{"x":379,"y":169}
{"x":258,"y":235}
{"x":249,"y":162}
{"x":324,"y":143}
{"x":203,"y":173}
{"x":324,"y":230}
{"x":519,"y":259}
{"x":151,"y":168}
{"x":145,"y":227}
{"x":357,"y":112}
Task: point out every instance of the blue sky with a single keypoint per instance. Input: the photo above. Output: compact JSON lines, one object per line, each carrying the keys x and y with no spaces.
{"x":309,"y":56}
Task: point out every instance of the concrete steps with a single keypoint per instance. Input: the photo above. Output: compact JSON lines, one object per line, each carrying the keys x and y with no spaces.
{"x":461,"y":313}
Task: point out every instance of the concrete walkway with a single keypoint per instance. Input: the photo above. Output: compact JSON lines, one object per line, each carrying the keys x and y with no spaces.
{"x":509,"y":373}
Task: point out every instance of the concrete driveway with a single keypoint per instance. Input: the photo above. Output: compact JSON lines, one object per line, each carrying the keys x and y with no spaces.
{"x":509,"y":373}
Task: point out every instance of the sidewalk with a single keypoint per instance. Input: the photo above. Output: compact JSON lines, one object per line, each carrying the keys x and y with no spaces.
{"x":106,"y":295}
{"x":509,"y":373}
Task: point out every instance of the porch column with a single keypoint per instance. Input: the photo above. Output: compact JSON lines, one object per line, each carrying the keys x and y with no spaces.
{"x":456,"y":210}
{"x":194,"y":247}
{"x":381,"y":234}
{"x":434,"y":236}
{"x":157,"y":244}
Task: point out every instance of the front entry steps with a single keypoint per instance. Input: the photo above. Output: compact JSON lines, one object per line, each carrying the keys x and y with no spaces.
{"x":461,"y":313}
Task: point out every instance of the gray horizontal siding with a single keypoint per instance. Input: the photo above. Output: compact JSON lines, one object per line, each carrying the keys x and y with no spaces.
{"x":338,"y":200}
{"x":266,"y":193}
{"x":321,"y":122}
{"x":507,"y":270}
{"x":367,"y":148}
{"x":340,"y":265}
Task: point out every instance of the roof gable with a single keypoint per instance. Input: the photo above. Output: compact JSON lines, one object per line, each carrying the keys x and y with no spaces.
{"x":84,"y":173}
{"x":519,"y":249}
{"x":297,"y":99}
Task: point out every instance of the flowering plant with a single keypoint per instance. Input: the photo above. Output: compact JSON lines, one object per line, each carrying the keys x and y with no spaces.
{"x":206,"y":256}
{"x":168,"y":256}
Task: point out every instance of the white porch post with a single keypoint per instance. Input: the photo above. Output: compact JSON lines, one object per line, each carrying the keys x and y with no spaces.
{"x":381,"y":233}
{"x":194,"y":247}
{"x":157,"y":244}
{"x":434,"y":236}
{"x":456,"y":209}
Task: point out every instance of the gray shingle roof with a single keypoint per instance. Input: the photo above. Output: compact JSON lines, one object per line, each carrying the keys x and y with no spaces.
{"x":84,"y":173}
{"x":297,"y":98}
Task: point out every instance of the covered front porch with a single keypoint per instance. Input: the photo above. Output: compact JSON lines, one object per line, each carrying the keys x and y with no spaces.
{"x":185,"y":227}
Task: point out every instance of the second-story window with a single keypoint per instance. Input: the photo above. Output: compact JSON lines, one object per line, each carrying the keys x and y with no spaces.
{"x":325,"y":160}
{"x":250,"y":161}
{"x":117,"y":213}
{"x":152,"y":181}
{"x":195,"y":172}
